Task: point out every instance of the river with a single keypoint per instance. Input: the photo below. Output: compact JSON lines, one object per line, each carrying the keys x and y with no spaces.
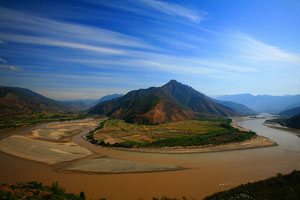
{"x":206,"y":173}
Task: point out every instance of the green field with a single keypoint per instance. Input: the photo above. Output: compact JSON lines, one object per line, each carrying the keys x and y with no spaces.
{"x":117,"y":133}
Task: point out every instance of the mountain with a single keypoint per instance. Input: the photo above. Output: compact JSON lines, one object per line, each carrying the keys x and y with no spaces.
{"x":108,"y":97}
{"x":264,"y":103}
{"x":20,"y":101}
{"x":242,"y":109}
{"x":290,"y":112}
{"x":170,"y":102}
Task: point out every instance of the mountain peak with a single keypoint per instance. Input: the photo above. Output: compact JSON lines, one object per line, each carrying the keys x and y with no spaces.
{"x":171,"y":82}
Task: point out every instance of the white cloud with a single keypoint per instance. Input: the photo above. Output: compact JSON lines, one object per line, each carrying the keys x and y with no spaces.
{"x":259,"y":51}
{"x":10,"y":67}
{"x":154,"y":7}
{"x":50,"y":42}
{"x":173,"y":9}
{"x":69,"y":32}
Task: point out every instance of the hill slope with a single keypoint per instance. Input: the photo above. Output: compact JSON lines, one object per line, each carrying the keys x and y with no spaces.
{"x":290,"y":112}
{"x":281,"y":187}
{"x":264,"y":103}
{"x":293,"y":122}
{"x":108,"y":97}
{"x":16,"y":101}
{"x":173,"y":101}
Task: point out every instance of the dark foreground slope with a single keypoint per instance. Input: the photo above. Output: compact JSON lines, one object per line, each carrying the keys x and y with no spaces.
{"x":171,"y":102}
{"x":281,"y":187}
{"x":292,"y":122}
{"x":37,"y":191}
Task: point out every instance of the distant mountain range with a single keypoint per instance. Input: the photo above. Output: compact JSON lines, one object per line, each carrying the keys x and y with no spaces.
{"x":240,"y":108}
{"x":170,"y":102}
{"x":83,"y":104}
{"x":264,"y":103}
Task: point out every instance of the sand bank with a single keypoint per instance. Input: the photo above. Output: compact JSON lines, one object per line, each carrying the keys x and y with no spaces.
{"x":111,"y":165}
{"x":42,"y":151}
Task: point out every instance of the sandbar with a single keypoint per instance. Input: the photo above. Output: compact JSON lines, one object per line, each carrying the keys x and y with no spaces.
{"x":112,"y":165}
{"x":42,"y":151}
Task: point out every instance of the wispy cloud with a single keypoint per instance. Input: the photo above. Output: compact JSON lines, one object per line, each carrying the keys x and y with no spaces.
{"x":172,"y":64}
{"x":11,"y":20}
{"x":10,"y":67}
{"x":173,"y":9}
{"x":152,"y":8}
{"x":260,"y":51}
{"x":50,"y":42}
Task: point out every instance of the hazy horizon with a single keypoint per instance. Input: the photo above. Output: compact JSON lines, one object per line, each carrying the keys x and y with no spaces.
{"x":86,"y":50}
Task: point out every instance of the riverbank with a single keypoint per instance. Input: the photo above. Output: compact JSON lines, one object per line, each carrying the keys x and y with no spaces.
{"x":280,"y":127}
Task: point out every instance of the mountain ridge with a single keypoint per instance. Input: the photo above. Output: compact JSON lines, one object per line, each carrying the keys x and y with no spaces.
{"x":170,"y":102}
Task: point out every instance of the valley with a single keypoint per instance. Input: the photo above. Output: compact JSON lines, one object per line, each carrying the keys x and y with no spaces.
{"x":170,"y":134}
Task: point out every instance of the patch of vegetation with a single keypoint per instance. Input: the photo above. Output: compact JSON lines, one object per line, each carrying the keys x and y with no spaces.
{"x":42,"y":117}
{"x":182,"y":133}
{"x":90,"y":135}
{"x":281,"y":187}
{"x":292,"y":122}
{"x":198,"y":140}
{"x":35,"y":191}
{"x":219,"y":119}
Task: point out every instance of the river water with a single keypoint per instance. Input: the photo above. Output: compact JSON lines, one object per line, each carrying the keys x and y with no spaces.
{"x":206,"y":173}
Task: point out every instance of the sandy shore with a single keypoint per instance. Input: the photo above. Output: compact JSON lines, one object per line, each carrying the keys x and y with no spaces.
{"x":256,"y":142}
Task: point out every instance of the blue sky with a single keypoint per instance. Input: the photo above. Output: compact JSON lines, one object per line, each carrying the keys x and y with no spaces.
{"x":71,"y":49}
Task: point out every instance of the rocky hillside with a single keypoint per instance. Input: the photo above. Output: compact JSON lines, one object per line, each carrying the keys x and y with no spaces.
{"x":170,"y":102}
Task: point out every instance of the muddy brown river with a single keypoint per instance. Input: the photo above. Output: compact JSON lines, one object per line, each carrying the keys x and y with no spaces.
{"x":205,"y":173}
